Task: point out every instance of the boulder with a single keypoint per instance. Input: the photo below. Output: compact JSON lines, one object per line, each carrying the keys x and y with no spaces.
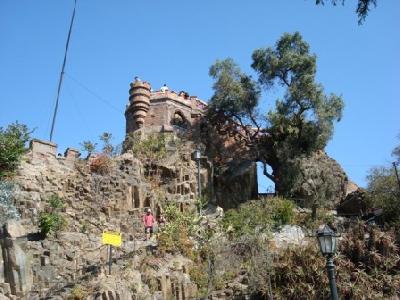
{"x":15,"y":263}
{"x":354,"y":204}
{"x":315,"y":178}
{"x":289,"y":235}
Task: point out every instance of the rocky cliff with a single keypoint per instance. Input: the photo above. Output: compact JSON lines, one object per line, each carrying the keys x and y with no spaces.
{"x":65,"y":262}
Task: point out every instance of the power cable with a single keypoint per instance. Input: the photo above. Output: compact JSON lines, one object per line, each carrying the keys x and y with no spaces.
{"x":93,"y":93}
{"x":76,"y":106}
{"x":62,"y":73}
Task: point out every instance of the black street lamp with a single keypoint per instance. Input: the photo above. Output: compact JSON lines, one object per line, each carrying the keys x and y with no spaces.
{"x":197,"y":157}
{"x":327,"y":244}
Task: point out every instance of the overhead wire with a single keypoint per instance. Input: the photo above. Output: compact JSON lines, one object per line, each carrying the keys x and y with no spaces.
{"x":76,"y":106}
{"x":83,"y":86}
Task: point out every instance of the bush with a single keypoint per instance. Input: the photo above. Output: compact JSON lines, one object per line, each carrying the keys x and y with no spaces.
{"x":12,"y":147}
{"x":101,"y":164}
{"x":151,"y":148}
{"x":51,"y":220}
{"x":177,"y":234}
{"x":7,"y":208}
{"x":383,"y":192}
{"x":258,"y":216}
{"x":367,"y":267}
{"x":78,"y":293}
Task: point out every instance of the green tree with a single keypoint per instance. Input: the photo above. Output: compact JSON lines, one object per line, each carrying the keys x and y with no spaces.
{"x":363,"y":7}
{"x":88,"y":146}
{"x":383,"y":190}
{"x":106,"y":138}
{"x":301,"y":123}
{"x":12,"y":146}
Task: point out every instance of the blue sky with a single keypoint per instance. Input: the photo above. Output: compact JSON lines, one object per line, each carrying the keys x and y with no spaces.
{"x":175,"y":42}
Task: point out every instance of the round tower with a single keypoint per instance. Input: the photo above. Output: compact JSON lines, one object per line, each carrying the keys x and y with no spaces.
{"x":139,"y":104}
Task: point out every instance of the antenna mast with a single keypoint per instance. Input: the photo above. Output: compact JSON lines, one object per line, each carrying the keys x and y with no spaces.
{"x":62,"y":74}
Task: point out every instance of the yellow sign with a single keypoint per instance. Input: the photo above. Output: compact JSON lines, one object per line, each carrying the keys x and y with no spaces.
{"x":112,"y":238}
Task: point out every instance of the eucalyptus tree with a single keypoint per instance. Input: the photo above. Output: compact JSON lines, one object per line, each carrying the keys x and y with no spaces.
{"x":302,"y":121}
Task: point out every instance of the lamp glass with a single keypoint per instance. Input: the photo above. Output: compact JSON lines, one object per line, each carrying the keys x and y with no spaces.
{"x":327,"y":240}
{"x":197,"y":154}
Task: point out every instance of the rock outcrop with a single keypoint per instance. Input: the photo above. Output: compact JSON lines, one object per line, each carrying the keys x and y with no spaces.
{"x":315,"y":178}
{"x":75,"y":259}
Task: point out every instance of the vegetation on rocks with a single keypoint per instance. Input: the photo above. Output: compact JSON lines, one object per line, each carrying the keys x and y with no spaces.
{"x":177,"y":234}
{"x":150,"y":148}
{"x":51,"y":219}
{"x":383,"y":190}
{"x":8,"y":210}
{"x":258,"y":216}
{"x":13,"y":140}
{"x":367,"y":268}
{"x":101,"y":164}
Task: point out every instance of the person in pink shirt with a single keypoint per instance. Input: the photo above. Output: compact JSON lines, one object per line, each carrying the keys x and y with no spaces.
{"x":148,"y":222}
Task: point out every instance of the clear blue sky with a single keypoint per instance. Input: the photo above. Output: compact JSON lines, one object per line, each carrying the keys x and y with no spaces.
{"x":175,"y":42}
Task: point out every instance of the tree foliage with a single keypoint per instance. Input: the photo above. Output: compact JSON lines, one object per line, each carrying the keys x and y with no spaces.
{"x":302,"y":121}
{"x":383,"y":190}
{"x":106,"y":138}
{"x":12,"y":146}
{"x":51,"y":220}
{"x":256,"y":217}
{"x":8,"y":210}
{"x":88,"y":146}
{"x":363,"y":7}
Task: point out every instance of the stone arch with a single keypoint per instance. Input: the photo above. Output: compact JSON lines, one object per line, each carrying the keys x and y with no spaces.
{"x":179,"y":119}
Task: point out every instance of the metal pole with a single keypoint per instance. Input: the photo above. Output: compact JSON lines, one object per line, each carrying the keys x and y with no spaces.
{"x":331,"y":275}
{"x":397,"y":174}
{"x":62,"y":73}
{"x":109,"y":259}
{"x":198,"y":184}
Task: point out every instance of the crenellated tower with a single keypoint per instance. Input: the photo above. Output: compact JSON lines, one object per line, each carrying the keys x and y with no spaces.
{"x":139,"y":105}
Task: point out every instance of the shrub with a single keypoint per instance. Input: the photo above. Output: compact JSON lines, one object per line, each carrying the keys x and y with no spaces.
{"x":383,"y":192}
{"x":282,"y":211}
{"x":258,"y":216}
{"x":177,"y":234}
{"x":12,"y":147}
{"x":78,"y":293}
{"x":51,"y":220}
{"x":7,"y":208}
{"x":151,"y":148}
{"x":101,"y":164}
{"x":367,"y":267}
{"x":89,"y":147}
{"x":198,"y":274}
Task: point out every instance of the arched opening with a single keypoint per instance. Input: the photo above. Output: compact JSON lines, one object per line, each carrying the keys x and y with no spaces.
{"x":266,"y":187}
{"x":179,"y":120}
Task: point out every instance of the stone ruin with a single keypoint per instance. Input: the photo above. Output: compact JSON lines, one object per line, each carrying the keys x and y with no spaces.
{"x":35,"y":268}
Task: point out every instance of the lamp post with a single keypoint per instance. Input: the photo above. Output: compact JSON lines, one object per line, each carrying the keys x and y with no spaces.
{"x":327,"y":244}
{"x":197,"y":157}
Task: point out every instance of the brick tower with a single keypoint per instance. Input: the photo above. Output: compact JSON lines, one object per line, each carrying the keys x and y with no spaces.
{"x":139,"y":105}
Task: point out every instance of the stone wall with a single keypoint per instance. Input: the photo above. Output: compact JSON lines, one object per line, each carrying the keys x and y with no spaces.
{"x":93,"y":203}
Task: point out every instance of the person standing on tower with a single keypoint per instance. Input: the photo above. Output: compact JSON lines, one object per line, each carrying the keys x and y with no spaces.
{"x":164,"y":88}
